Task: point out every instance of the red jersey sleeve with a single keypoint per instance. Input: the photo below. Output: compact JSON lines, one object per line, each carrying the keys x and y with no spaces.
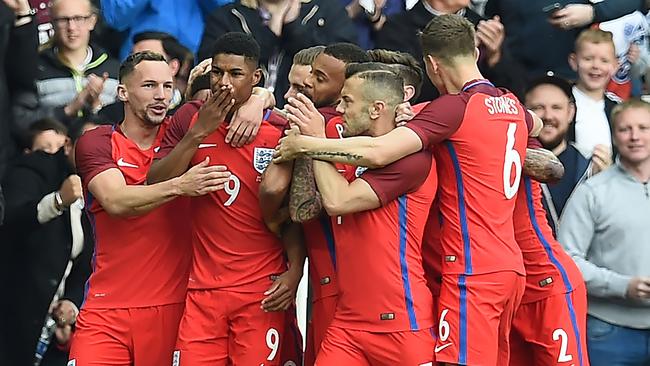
{"x":93,"y":153}
{"x":403,"y":176}
{"x":439,"y":119}
{"x":276,"y":120}
{"x":533,"y":143}
{"x":178,"y":127}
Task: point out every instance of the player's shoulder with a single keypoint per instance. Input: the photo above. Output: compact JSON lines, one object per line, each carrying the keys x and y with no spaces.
{"x":97,"y":137}
{"x":185,"y":112}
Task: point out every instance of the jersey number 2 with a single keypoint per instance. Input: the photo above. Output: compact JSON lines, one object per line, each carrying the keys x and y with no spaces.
{"x":512,"y":158}
{"x":560,"y":334}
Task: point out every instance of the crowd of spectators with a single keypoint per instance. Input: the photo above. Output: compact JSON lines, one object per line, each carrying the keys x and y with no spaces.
{"x":571,"y":64}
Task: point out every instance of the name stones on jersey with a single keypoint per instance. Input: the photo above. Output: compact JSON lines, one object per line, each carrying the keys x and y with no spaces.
{"x":502,"y":104}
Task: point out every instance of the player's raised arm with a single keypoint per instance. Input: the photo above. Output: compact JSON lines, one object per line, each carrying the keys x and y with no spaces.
{"x":361,"y":151}
{"x":437,"y":121}
{"x":339,"y":196}
{"x":179,"y":148}
{"x":119,"y":199}
{"x":272,"y":194}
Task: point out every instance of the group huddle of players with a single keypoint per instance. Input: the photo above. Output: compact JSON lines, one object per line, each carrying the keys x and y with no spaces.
{"x":427,"y":242}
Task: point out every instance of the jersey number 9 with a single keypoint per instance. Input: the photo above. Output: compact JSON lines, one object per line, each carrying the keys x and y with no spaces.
{"x":232,"y":188}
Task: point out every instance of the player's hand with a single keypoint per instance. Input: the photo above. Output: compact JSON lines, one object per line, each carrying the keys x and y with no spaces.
{"x":573,"y":16}
{"x":403,"y":114}
{"x":202,"y":179}
{"x":214,"y":111}
{"x":601,"y":159}
{"x":287,"y":148}
{"x":491,"y":34}
{"x":638,"y":288}
{"x":282,"y":293}
{"x":202,"y":68}
{"x":71,"y":190}
{"x":303,"y":113}
{"x":246,"y":122}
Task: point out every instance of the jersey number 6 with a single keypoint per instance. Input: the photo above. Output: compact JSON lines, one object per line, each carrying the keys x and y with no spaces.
{"x":512,"y":158}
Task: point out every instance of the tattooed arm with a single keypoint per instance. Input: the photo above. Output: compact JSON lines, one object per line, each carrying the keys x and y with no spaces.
{"x":372,"y":152}
{"x":304,"y":200}
{"x":543,"y":166}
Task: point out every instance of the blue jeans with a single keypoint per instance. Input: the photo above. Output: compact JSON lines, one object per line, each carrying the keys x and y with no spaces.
{"x":613,"y":345}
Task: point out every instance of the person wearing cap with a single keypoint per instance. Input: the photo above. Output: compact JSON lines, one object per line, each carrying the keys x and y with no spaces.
{"x":551,"y":98}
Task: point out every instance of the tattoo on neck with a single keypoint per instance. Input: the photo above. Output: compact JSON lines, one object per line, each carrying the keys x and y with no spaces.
{"x":332,"y":154}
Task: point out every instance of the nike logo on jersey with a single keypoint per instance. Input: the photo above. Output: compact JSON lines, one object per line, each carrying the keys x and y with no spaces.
{"x":156,"y":149}
{"x":205,"y":146}
{"x":121,"y":162}
{"x":440,"y":348}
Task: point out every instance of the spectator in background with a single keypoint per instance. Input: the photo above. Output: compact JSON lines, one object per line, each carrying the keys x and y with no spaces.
{"x":370,"y":16}
{"x":605,"y":229}
{"x":400,"y":33}
{"x":283,"y":27}
{"x":184,"y":20}
{"x":75,"y":78}
{"x":630,"y":35}
{"x":300,"y":70}
{"x":594,"y":60}
{"x":180,"y":59}
{"x":44,"y":236}
{"x":541,"y":41}
{"x":18,"y":54}
{"x":551,"y":98}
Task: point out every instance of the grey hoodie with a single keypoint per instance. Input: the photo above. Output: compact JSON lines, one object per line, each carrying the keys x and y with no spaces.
{"x":606,"y":230}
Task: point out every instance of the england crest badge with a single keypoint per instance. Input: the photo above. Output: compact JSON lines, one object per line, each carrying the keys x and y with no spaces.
{"x":262,"y":157}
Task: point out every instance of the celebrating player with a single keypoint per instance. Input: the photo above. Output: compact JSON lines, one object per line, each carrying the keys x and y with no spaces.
{"x":236,"y":258}
{"x":479,"y":134}
{"x":384,"y":304}
{"x":142,"y":252}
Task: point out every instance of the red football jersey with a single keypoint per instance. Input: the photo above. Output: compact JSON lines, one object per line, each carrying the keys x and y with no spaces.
{"x":482,"y":132}
{"x":319,"y":235}
{"x":233,"y":249}
{"x":431,"y":250}
{"x":139,"y":261}
{"x":549,"y":270}
{"x":379,"y":262}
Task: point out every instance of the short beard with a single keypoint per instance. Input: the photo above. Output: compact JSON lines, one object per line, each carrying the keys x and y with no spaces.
{"x":550,"y":145}
{"x":151,"y":122}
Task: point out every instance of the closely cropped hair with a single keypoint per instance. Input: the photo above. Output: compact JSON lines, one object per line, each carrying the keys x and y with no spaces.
{"x":382,"y":85}
{"x":357,"y":67}
{"x":42,"y":125}
{"x":596,"y":36}
{"x":404,"y":64}
{"x":347,"y":52}
{"x":133,"y":60}
{"x":306,"y":57}
{"x":447,"y":37}
{"x":238,"y":44}
{"x":629,"y":104}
